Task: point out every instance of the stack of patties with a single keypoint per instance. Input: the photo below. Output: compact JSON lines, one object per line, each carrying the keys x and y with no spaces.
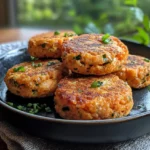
{"x":93,"y":89}
{"x":39,"y":77}
{"x":96,"y":94}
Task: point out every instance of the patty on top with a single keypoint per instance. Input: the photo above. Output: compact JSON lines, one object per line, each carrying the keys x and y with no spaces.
{"x":94,"y":54}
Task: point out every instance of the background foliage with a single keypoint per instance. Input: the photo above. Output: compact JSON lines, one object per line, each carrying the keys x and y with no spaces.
{"x":123,"y":18}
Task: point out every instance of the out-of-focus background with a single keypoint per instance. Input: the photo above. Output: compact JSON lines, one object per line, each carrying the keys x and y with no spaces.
{"x":123,"y":18}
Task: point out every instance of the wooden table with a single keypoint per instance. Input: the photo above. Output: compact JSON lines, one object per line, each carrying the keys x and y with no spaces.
{"x":9,"y":35}
{"x":15,"y":34}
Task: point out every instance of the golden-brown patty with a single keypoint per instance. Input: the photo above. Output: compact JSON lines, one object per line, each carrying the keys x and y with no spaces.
{"x":48,"y":45}
{"x":136,"y":71}
{"x":93,"y":98}
{"x":34,"y":79}
{"x":88,"y":54}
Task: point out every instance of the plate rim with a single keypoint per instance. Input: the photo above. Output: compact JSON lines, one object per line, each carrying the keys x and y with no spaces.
{"x":67,"y":121}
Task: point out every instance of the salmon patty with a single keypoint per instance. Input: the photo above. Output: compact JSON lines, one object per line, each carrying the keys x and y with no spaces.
{"x":94,"y":54}
{"x":136,"y":71}
{"x":34,"y":79}
{"x":87,"y":98}
{"x":48,"y":45}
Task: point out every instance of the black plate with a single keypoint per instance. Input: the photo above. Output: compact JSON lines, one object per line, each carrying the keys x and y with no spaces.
{"x":51,"y":126}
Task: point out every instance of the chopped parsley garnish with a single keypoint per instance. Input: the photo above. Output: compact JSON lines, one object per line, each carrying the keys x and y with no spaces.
{"x":56,"y":33}
{"x":68,"y":34}
{"x":50,"y":63}
{"x":36,"y":65}
{"x":148,"y":87}
{"x":34,"y":58}
{"x":96,"y":84}
{"x":32,"y":108}
{"x":105,"y":59}
{"x":34,"y":92}
{"x":78,"y":57}
{"x":146,"y":59}
{"x":10,"y":104}
{"x":29,"y":105}
{"x":47,"y":109}
{"x":19,"y":69}
{"x":43,"y":45}
{"x":106,"y":38}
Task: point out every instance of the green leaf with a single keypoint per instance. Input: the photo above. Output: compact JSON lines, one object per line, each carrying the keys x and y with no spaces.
{"x":106,"y":38}
{"x":36,"y":65}
{"x":146,"y":59}
{"x":146,"y":23}
{"x":77,"y":29}
{"x":130,"y":2}
{"x":47,"y":109}
{"x":33,"y":58}
{"x":10,"y":104}
{"x":96,"y":84}
{"x":91,"y":28}
{"x":148,"y":87}
{"x":78,"y":57}
{"x":20,"y":69}
{"x":56,"y":33}
{"x":142,"y":36}
{"x":51,"y":63}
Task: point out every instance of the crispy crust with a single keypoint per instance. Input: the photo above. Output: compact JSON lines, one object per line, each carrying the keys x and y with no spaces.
{"x":48,"y":45}
{"x":87,"y":54}
{"x":136,"y":72}
{"x":34,"y":82}
{"x":75,"y":99}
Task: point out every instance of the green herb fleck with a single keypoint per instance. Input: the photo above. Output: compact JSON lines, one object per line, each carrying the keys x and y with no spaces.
{"x":56,"y":33}
{"x":106,"y":38}
{"x":16,"y":84}
{"x":10,"y":104}
{"x":20,"y":107}
{"x":20,"y":69}
{"x":133,"y":62}
{"x":105,"y":59}
{"x":43,"y":45}
{"x":148,"y":87}
{"x":34,"y":92}
{"x":96,"y":84}
{"x":33,"y":58}
{"x":65,"y":108}
{"x":78,"y":57}
{"x":36,"y":65}
{"x":146,"y":59}
{"x":47,"y":109}
{"x":80,"y":91}
{"x":68,"y":34}
{"x":29,"y":105}
{"x":50,"y":63}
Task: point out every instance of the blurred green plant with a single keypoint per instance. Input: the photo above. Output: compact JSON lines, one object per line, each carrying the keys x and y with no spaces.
{"x":143,"y":33}
{"x":122,"y":18}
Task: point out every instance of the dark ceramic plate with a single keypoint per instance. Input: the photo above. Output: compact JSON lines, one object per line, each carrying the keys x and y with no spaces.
{"x":49,"y":125}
